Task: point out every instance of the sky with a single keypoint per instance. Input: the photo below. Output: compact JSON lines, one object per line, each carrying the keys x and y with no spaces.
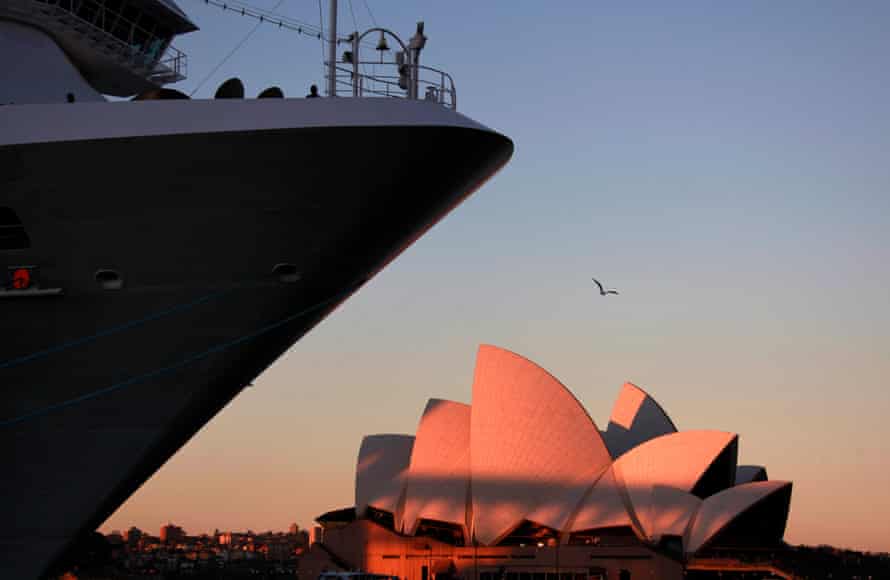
{"x":724,"y":165}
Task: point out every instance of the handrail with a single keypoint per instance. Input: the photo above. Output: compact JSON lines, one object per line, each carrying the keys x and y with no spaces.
{"x":443,"y":76}
{"x":434,"y":85}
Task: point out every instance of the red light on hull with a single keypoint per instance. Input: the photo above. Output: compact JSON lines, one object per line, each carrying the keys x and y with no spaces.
{"x":21,"y":279}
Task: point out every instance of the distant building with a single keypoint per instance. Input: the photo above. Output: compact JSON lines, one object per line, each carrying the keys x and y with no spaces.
{"x":225,"y":538}
{"x":116,"y":543}
{"x":293,"y":529}
{"x":171,"y":534}
{"x":132,"y":536}
{"x":522,"y":485}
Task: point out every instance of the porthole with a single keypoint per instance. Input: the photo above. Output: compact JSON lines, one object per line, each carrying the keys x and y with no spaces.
{"x":109,"y":279}
{"x":286,"y":273}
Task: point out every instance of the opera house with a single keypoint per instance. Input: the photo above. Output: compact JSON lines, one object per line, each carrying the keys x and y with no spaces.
{"x":522,"y":485}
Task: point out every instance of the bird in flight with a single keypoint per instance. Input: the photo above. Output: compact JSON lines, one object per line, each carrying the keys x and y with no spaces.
{"x":603,"y":291}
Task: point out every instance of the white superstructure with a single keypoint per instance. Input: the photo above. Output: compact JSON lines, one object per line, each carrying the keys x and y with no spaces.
{"x":115,"y":47}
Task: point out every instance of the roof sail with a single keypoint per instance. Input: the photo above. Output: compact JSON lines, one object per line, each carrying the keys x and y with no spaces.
{"x":636,"y":418}
{"x":525,"y":460}
{"x":380,"y":472}
{"x":728,"y":508}
{"x":438,"y":478}
{"x":534,"y":450}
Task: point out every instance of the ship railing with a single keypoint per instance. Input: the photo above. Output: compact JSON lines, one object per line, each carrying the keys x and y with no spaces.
{"x":110,"y":32}
{"x":390,"y":79}
{"x":170,"y":68}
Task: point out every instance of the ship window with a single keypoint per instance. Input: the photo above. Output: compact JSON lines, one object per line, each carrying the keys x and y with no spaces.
{"x":163,"y":33}
{"x":12,"y":232}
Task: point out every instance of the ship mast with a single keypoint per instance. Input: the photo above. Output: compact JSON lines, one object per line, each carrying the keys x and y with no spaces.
{"x":332,"y":48}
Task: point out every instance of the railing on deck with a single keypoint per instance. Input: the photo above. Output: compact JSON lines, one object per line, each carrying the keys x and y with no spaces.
{"x":147,"y":53}
{"x":403,"y":77}
{"x":170,"y":68}
{"x":433,"y":84}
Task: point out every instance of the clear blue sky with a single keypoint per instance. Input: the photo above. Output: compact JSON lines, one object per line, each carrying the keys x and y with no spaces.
{"x":725,"y":165}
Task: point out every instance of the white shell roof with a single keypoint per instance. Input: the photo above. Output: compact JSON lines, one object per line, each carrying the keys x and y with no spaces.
{"x":439,"y":475}
{"x":603,"y":507}
{"x":636,"y":418}
{"x":527,"y":450}
{"x":534,"y":450}
{"x":677,"y":460}
{"x":380,"y":472}
{"x":721,"y":508}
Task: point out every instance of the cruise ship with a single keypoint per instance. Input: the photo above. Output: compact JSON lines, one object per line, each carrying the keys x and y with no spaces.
{"x":157,"y":252}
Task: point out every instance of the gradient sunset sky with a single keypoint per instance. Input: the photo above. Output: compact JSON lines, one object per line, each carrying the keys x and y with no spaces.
{"x":726,"y":166}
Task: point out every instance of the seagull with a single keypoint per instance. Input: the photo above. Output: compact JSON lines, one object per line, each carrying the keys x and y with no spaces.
{"x":603,"y":292}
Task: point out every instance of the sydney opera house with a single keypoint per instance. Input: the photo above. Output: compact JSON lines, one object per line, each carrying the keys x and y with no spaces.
{"x":522,"y":485}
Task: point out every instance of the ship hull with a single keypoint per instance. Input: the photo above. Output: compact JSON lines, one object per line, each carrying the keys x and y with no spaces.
{"x":101,"y":386}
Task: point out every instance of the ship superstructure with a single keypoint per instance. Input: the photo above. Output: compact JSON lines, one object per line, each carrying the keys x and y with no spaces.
{"x":158,"y":254}
{"x":78,"y":50}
